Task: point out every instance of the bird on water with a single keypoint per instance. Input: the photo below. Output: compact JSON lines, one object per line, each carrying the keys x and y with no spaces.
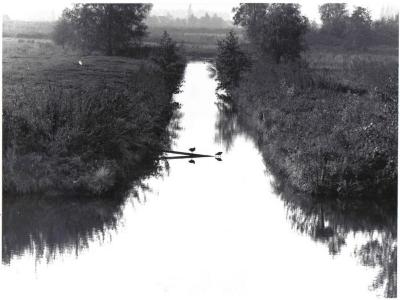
{"x":192,"y":149}
{"x":218,"y":153}
{"x":192,"y":161}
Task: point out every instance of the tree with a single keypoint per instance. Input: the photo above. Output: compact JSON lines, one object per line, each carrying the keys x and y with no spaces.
{"x":230,"y":62}
{"x":277,"y":28}
{"x":386,"y":30}
{"x":251,"y":16}
{"x":360,"y":28}
{"x":107,"y":27}
{"x":334,"y":17}
{"x":63,"y":33}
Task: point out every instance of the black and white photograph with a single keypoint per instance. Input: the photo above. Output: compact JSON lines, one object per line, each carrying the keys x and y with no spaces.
{"x":180,"y":150}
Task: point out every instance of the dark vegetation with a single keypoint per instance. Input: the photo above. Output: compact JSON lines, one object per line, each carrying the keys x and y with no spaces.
{"x":86,"y":124}
{"x":329,"y":126}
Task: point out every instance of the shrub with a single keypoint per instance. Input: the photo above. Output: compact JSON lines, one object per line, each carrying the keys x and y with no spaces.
{"x":231,"y":62}
{"x":171,"y":62}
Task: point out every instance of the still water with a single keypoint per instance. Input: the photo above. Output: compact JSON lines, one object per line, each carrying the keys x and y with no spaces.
{"x":208,"y":230}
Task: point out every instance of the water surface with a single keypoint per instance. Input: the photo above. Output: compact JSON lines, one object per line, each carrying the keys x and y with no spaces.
{"x":210,"y":230}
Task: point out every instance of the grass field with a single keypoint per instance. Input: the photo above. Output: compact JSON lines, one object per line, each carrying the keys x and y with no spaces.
{"x":78,"y":128}
{"x":357,"y":70}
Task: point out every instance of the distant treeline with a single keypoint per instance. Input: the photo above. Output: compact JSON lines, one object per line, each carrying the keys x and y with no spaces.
{"x":27,"y":29}
{"x":352,"y":31}
{"x":191,"y":21}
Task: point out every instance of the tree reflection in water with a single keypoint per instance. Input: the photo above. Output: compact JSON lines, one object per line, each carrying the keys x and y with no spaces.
{"x":328,"y":221}
{"x":226,"y":125}
{"x":382,"y":252}
{"x":49,"y":226}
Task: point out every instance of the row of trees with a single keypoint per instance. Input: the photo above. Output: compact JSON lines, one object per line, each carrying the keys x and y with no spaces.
{"x":355,"y":30}
{"x":109,"y":28}
{"x":280,"y":31}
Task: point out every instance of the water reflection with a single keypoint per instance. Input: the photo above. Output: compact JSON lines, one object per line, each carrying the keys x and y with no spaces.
{"x":45,"y":227}
{"x":329,"y":221}
{"x":48,"y":226}
{"x":226,"y":126}
{"x":381,"y":251}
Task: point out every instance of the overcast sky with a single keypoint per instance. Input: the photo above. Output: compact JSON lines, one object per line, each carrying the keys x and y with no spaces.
{"x":51,"y":10}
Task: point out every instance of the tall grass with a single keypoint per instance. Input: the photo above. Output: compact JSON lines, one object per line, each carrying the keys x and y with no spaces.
{"x":85,"y":140}
{"x":327,"y":132}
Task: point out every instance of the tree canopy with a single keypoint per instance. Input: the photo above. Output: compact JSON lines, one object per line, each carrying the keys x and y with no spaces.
{"x":277,"y":28}
{"x":354,"y":30}
{"x":106,"y":27}
{"x":334,"y":17}
{"x":360,"y":27}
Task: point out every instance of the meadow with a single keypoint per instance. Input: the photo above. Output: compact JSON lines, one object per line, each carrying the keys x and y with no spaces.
{"x":75,"y":123}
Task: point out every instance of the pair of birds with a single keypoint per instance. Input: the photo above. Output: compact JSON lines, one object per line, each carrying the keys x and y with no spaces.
{"x":194,"y":149}
{"x":216,"y":154}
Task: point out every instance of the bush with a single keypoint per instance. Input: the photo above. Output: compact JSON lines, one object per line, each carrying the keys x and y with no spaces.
{"x":231,"y":62}
{"x":171,"y":62}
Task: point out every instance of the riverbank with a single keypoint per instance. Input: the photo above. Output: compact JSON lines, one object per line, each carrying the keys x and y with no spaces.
{"x":79,"y":124}
{"x":329,"y":131}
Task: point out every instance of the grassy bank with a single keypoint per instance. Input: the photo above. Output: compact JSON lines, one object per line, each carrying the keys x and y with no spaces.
{"x":75,"y":128}
{"x":327,"y":124}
